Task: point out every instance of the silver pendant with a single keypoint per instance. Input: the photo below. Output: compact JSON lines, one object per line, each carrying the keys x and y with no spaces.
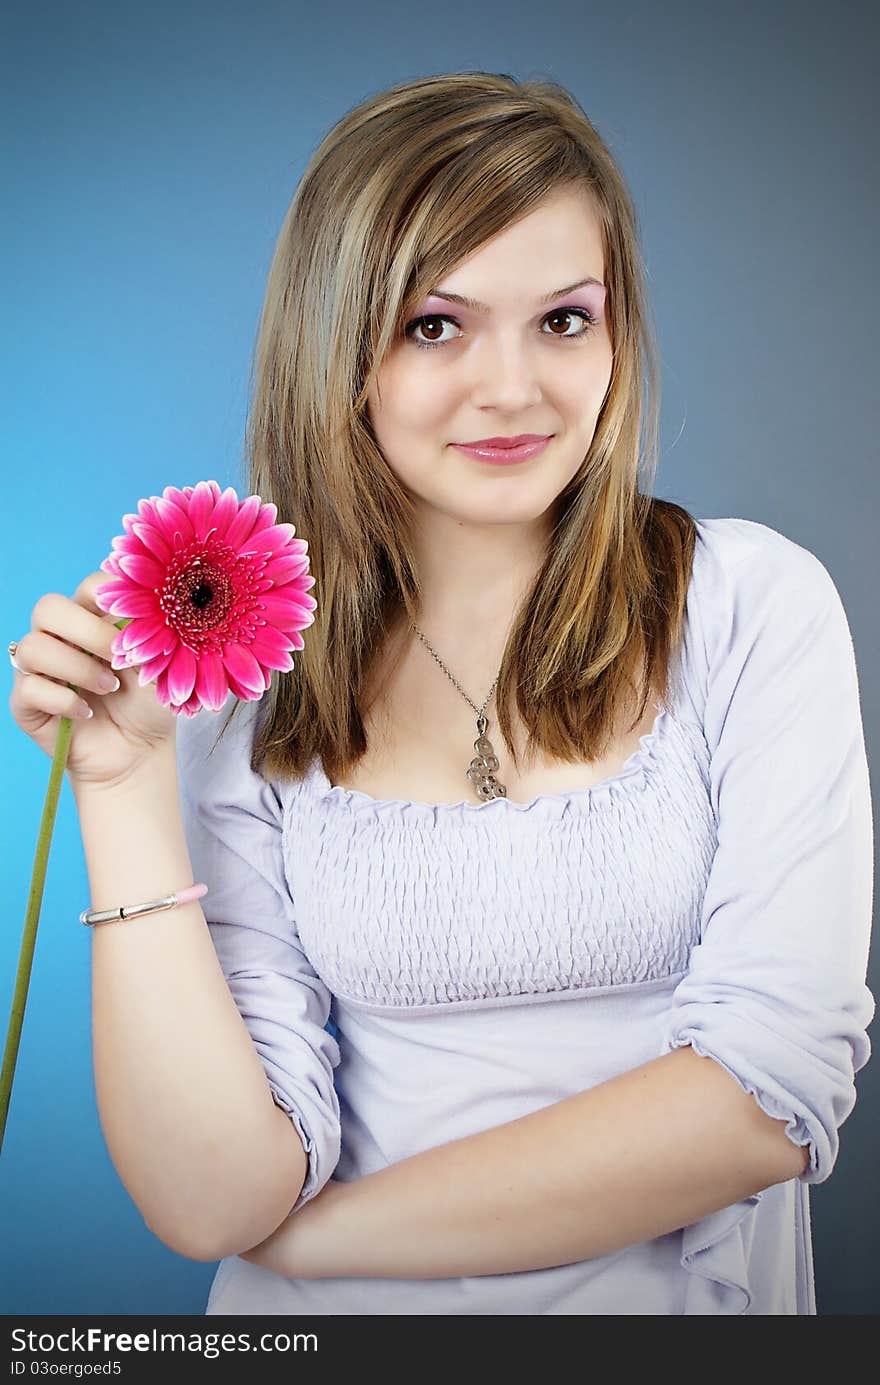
{"x":485,"y":762}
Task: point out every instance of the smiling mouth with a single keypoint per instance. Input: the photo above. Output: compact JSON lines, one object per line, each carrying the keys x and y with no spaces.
{"x":494,"y":444}
{"x":507,"y":455}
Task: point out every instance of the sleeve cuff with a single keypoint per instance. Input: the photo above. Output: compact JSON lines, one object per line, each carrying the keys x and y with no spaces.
{"x":315,"y":1177}
{"x":796,"y":1127}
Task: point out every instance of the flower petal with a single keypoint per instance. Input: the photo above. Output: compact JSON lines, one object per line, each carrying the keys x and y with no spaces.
{"x":285,"y":567}
{"x":107,"y":593}
{"x":269,"y":637}
{"x":246,"y":694}
{"x":212,"y":683}
{"x":272,"y":649}
{"x":243,"y":668}
{"x":137,"y":601}
{"x":174,"y":519}
{"x":138,"y":631}
{"x":177,"y":495}
{"x":153,"y":540}
{"x":162,"y":693}
{"x":148,"y":512}
{"x":190,"y":708}
{"x":267,"y":516}
{"x":284,"y":608}
{"x":201,"y":509}
{"x":147,"y":571}
{"x":271,"y":540}
{"x":156,"y":641}
{"x":182,"y":673}
{"x":149,"y":671}
{"x":242,"y":526}
{"x":225,"y":511}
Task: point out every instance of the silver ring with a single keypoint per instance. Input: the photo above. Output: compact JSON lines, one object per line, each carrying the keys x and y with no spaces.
{"x":13,"y":645}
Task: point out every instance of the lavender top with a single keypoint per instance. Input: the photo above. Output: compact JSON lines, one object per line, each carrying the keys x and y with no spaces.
{"x":413,"y":973}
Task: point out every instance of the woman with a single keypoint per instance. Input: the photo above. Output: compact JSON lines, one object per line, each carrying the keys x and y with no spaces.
{"x":542,"y":882}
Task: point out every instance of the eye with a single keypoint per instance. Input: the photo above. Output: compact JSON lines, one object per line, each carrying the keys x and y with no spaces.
{"x":586,"y":317}
{"x":582,"y":313}
{"x":419,"y":322}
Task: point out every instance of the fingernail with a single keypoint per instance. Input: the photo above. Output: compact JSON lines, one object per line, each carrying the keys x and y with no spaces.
{"x":108,"y":681}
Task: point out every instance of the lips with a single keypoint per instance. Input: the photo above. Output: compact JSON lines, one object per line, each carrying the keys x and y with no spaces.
{"x":495,"y":443}
{"x":510,"y":453}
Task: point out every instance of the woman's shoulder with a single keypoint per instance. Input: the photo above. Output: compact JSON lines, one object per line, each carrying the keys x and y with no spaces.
{"x":730,"y":550}
{"x":214,"y":759}
{"x":743,"y":569}
{"x":198,"y":737}
{"x":748,"y":582}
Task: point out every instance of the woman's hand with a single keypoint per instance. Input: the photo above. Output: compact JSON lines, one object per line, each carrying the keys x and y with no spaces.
{"x":302,"y":1247}
{"x":70,"y":643}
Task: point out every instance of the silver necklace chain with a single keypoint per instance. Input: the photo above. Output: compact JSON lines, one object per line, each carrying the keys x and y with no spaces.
{"x":481,"y":771}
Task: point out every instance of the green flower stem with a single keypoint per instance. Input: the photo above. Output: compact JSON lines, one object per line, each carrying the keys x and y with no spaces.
{"x":35,"y":899}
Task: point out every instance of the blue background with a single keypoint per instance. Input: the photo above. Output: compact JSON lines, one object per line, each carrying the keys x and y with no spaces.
{"x":149,"y":156}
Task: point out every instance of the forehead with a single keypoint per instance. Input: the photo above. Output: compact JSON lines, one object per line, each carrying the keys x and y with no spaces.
{"x":552,"y":250}
{"x":476,"y":306}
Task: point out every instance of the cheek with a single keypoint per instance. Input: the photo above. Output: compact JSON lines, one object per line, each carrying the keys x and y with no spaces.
{"x":584,"y":390}
{"x":418,"y":403}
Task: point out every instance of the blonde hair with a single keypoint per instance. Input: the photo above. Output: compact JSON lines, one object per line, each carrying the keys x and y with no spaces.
{"x":405,"y":186}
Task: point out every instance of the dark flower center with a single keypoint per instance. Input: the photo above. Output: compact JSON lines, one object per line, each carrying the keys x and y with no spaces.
{"x":202,"y":596}
{"x":210,"y":597}
{"x":198,"y":598}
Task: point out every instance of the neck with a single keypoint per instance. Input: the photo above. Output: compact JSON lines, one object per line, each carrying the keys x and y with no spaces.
{"x":473,"y":577}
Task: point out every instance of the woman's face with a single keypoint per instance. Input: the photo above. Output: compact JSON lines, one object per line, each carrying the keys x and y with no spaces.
{"x":522,"y":366}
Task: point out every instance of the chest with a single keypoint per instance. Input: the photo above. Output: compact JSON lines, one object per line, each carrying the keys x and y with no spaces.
{"x":423,"y":903}
{"x":423,"y":736}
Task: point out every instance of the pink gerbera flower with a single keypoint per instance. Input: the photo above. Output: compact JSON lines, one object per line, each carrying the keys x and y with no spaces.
{"x":215,"y":592}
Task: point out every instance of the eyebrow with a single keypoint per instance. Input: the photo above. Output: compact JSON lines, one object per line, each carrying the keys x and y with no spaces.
{"x":479,"y":307}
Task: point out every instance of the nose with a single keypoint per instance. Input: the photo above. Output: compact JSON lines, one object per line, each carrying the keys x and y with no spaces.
{"x":505,"y":376}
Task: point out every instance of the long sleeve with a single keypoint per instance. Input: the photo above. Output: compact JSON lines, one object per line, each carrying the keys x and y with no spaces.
{"x":776,"y":989}
{"x":233,"y":821}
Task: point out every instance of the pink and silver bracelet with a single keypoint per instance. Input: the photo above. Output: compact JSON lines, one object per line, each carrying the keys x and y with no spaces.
{"x":153,"y":906}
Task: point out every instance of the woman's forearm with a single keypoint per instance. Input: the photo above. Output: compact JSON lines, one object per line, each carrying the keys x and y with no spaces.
{"x":185,"y":1108}
{"x":645,"y":1153}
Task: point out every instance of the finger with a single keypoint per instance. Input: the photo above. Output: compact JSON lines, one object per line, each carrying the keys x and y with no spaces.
{"x":41,"y":653}
{"x":38,"y":694}
{"x":85,"y":592}
{"x":78,"y":624}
